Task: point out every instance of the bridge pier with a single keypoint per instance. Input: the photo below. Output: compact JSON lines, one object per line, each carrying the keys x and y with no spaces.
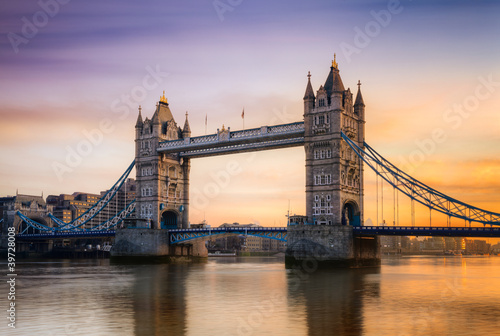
{"x":330,"y":246}
{"x":154,"y":243}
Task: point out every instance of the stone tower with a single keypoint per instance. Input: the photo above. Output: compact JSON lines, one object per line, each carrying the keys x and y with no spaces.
{"x":334,"y":173}
{"x":334,"y":182}
{"x":162,"y":179}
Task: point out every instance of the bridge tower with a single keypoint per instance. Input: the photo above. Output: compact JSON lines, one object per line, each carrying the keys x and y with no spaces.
{"x":334,"y":180}
{"x":334,"y":173}
{"x":162,"y":179}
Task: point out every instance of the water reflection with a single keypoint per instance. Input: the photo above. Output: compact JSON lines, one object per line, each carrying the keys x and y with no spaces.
{"x":257,"y":296}
{"x":334,"y":299}
{"x":159,"y":301}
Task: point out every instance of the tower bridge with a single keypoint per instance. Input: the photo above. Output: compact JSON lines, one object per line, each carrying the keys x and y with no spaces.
{"x":331,"y":231}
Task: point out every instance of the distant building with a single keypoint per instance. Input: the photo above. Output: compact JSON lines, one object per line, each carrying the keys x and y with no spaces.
{"x":69,"y":207}
{"x":476,"y":246}
{"x":245,"y":243}
{"x":33,"y":207}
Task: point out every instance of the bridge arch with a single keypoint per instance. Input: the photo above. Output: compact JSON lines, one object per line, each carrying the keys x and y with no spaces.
{"x":351,"y":213}
{"x":169,"y":219}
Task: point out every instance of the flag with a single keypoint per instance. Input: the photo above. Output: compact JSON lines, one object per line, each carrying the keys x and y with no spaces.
{"x":243,"y":114}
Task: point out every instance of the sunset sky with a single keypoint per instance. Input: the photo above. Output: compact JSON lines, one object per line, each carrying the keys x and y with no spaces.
{"x":75,"y":68}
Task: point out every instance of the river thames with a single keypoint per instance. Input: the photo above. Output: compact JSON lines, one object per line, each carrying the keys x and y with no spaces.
{"x":414,"y":295}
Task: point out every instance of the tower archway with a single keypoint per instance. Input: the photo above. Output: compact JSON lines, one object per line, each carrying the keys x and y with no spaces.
{"x":351,"y":214}
{"x":169,"y":219}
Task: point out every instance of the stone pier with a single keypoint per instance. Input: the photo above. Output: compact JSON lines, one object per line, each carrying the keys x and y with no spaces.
{"x":330,"y":246}
{"x":154,"y":243}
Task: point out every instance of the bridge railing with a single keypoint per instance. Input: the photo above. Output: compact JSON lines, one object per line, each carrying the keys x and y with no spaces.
{"x":182,"y":235}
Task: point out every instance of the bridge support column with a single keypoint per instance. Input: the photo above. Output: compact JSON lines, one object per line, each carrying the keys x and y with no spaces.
{"x":330,"y":246}
{"x":146,"y":243}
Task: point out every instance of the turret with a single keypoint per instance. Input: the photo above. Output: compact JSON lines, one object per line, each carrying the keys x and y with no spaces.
{"x":309,"y":96}
{"x":334,"y":86}
{"x":139,"y":123}
{"x":359,"y":109}
{"x":138,"y":130}
{"x":186,"y":131}
{"x":359,"y":104}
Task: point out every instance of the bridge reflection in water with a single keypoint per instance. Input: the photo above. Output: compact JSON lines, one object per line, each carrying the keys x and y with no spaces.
{"x":252,"y":296}
{"x":333,"y":300}
{"x":257,"y":296}
{"x":159,"y":299}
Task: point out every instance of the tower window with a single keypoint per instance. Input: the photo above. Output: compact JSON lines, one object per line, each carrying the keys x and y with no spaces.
{"x":321,"y":102}
{"x":321,"y":120}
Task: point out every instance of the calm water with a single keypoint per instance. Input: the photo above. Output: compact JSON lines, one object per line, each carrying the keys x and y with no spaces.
{"x":257,"y":296}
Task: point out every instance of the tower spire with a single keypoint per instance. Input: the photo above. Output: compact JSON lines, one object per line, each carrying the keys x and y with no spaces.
{"x":309,"y":90}
{"x":139,"y":118}
{"x":163,"y":99}
{"x":359,"y":96}
{"x":334,"y":62}
{"x":186,"y":131}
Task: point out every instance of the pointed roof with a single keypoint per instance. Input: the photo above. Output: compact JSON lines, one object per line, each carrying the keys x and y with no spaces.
{"x":333,"y":82}
{"x":186,"y":128}
{"x":359,"y":97}
{"x":309,"y":90}
{"x":139,"y":118}
{"x":162,"y":113}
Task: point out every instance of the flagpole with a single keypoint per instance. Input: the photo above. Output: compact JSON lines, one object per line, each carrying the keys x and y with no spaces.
{"x":243,"y":117}
{"x":206,"y":117}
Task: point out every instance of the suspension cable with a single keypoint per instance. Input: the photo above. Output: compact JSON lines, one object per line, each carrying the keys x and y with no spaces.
{"x":417,"y":190}
{"x":397,"y":205}
{"x":430,"y":217}
{"x":376,"y":183}
{"x":382,"y":199}
{"x":394,"y":206}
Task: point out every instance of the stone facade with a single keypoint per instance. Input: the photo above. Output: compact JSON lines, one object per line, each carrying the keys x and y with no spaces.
{"x":162,"y":179}
{"x":334,"y":173}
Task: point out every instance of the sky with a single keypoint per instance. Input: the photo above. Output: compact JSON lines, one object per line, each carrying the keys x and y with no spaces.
{"x":74,"y":73}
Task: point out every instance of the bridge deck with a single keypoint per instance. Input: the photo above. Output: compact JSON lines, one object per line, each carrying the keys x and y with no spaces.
{"x":65,"y":235}
{"x":429,"y":231}
{"x":279,"y":233}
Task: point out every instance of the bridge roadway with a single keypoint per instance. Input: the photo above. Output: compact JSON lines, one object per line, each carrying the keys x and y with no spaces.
{"x":279,"y":233}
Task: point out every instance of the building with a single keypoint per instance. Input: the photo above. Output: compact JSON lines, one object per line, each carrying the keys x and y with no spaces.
{"x":70,"y":207}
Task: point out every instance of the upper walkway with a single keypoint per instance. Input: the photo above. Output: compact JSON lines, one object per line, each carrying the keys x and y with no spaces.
{"x":225,"y":141}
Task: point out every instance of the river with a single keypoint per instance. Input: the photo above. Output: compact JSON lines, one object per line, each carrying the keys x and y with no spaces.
{"x":413,"y":295}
